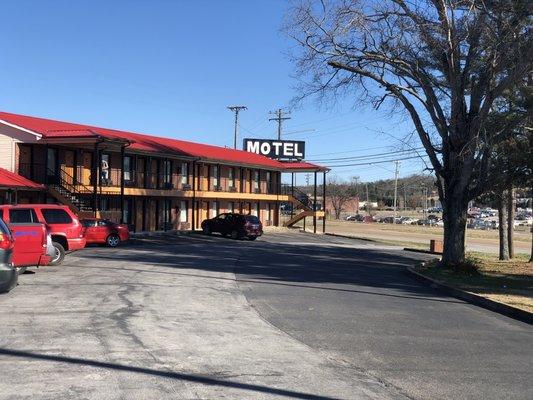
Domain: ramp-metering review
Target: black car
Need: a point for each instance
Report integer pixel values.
(8, 274)
(238, 226)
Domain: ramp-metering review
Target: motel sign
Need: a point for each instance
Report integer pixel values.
(277, 149)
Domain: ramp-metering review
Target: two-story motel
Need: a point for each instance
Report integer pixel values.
(152, 183)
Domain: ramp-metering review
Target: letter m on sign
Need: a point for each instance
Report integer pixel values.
(252, 147)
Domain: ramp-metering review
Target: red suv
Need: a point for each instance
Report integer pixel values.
(63, 225)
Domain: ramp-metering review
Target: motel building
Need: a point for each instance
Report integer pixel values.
(151, 183)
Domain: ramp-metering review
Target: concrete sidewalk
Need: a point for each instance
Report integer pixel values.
(158, 321)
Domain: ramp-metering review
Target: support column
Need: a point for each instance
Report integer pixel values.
(122, 154)
(95, 174)
(314, 204)
(324, 203)
(193, 218)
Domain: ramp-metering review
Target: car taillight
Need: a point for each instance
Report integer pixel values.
(6, 243)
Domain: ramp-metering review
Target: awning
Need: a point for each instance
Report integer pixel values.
(10, 180)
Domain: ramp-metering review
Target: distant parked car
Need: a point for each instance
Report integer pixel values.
(479, 224)
(104, 231)
(387, 220)
(356, 217)
(237, 226)
(8, 275)
(63, 225)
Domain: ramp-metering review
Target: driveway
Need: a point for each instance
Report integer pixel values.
(157, 320)
(353, 302)
(288, 316)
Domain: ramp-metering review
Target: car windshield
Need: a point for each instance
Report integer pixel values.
(252, 218)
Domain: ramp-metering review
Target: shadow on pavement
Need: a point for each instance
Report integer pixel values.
(205, 380)
(300, 265)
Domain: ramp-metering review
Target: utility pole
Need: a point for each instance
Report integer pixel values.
(367, 206)
(425, 202)
(236, 110)
(396, 185)
(280, 117)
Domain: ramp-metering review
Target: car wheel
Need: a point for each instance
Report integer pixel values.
(252, 237)
(112, 240)
(234, 234)
(207, 230)
(59, 254)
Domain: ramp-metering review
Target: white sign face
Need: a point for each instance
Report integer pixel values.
(278, 149)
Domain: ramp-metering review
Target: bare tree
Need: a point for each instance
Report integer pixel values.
(339, 193)
(444, 62)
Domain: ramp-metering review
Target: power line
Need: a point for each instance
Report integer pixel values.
(347, 151)
(375, 162)
(280, 117)
(400, 152)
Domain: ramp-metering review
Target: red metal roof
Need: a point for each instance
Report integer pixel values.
(57, 129)
(11, 180)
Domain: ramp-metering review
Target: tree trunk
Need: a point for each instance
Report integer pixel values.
(455, 215)
(531, 256)
(502, 228)
(510, 221)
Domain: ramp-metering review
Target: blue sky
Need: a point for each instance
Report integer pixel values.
(170, 68)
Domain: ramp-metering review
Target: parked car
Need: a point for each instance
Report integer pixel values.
(8, 275)
(33, 245)
(387, 220)
(356, 217)
(237, 226)
(480, 224)
(104, 231)
(368, 219)
(63, 225)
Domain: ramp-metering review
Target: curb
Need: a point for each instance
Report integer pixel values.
(421, 251)
(475, 299)
(352, 237)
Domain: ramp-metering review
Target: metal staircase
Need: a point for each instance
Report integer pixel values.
(302, 204)
(70, 194)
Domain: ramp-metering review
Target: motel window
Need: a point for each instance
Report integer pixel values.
(231, 177)
(127, 168)
(214, 209)
(126, 215)
(269, 211)
(255, 209)
(269, 181)
(184, 172)
(231, 206)
(166, 213)
(167, 171)
(256, 179)
(215, 176)
(51, 162)
(183, 211)
(104, 204)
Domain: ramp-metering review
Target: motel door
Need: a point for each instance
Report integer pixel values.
(202, 212)
(25, 161)
(69, 166)
(87, 166)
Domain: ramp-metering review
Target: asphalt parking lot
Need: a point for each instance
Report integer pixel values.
(288, 316)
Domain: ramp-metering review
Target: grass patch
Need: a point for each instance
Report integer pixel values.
(509, 282)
